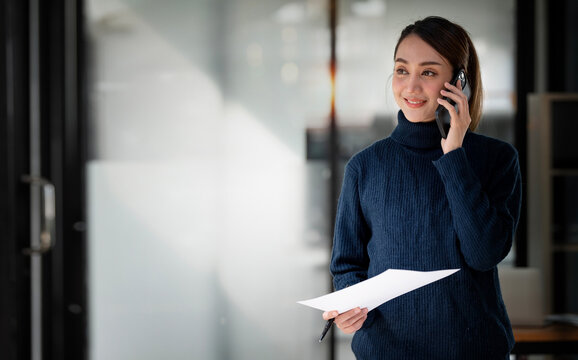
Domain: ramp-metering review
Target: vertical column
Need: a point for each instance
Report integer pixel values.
(333, 153)
(35, 171)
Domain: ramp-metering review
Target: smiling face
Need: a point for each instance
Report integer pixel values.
(419, 75)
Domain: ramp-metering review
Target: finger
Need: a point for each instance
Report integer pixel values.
(455, 96)
(330, 315)
(343, 319)
(461, 114)
(454, 89)
(450, 108)
(457, 88)
(358, 324)
(353, 327)
(349, 318)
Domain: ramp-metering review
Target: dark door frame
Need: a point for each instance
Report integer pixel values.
(14, 203)
(61, 108)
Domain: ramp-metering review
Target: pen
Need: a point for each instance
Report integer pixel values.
(326, 328)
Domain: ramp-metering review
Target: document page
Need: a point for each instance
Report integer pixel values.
(377, 290)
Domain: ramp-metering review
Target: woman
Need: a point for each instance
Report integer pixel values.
(417, 201)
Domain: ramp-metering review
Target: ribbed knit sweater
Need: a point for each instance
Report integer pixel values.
(406, 205)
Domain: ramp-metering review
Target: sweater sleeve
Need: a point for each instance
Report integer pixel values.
(349, 259)
(484, 219)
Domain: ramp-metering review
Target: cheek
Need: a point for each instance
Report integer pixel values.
(434, 90)
(438, 86)
(396, 90)
(396, 86)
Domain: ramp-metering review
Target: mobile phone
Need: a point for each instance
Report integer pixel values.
(443, 118)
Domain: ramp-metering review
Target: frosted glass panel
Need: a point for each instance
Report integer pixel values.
(207, 223)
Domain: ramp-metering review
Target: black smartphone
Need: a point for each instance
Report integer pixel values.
(442, 115)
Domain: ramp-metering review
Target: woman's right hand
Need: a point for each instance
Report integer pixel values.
(350, 321)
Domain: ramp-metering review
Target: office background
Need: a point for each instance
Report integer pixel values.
(189, 144)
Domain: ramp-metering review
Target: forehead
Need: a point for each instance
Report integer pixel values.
(413, 49)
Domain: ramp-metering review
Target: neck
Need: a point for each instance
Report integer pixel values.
(420, 135)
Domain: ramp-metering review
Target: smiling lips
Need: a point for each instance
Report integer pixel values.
(414, 103)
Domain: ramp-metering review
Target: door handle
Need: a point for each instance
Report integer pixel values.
(48, 214)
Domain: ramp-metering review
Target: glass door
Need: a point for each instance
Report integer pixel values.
(207, 220)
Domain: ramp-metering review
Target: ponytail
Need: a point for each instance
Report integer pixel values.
(474, 77)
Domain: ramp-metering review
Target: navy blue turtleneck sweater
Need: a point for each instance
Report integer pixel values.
(406, 205)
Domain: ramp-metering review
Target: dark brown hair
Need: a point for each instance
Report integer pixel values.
(452, 42)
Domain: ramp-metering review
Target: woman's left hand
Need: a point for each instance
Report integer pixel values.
(460, 120)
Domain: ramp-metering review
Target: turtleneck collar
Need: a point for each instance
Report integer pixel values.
(421, 135)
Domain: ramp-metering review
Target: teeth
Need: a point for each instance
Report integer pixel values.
(415, 102)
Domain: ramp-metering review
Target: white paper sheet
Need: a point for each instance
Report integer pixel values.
(377, 290)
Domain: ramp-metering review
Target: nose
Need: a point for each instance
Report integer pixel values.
(413, 84)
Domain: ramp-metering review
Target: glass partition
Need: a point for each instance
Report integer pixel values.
(208, 199)
(206, 221)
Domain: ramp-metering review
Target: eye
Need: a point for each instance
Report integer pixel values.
(401, 71)
(428, 73)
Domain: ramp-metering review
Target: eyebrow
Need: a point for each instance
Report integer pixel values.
(425, 63)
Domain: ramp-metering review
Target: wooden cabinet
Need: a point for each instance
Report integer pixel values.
(552, 185)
